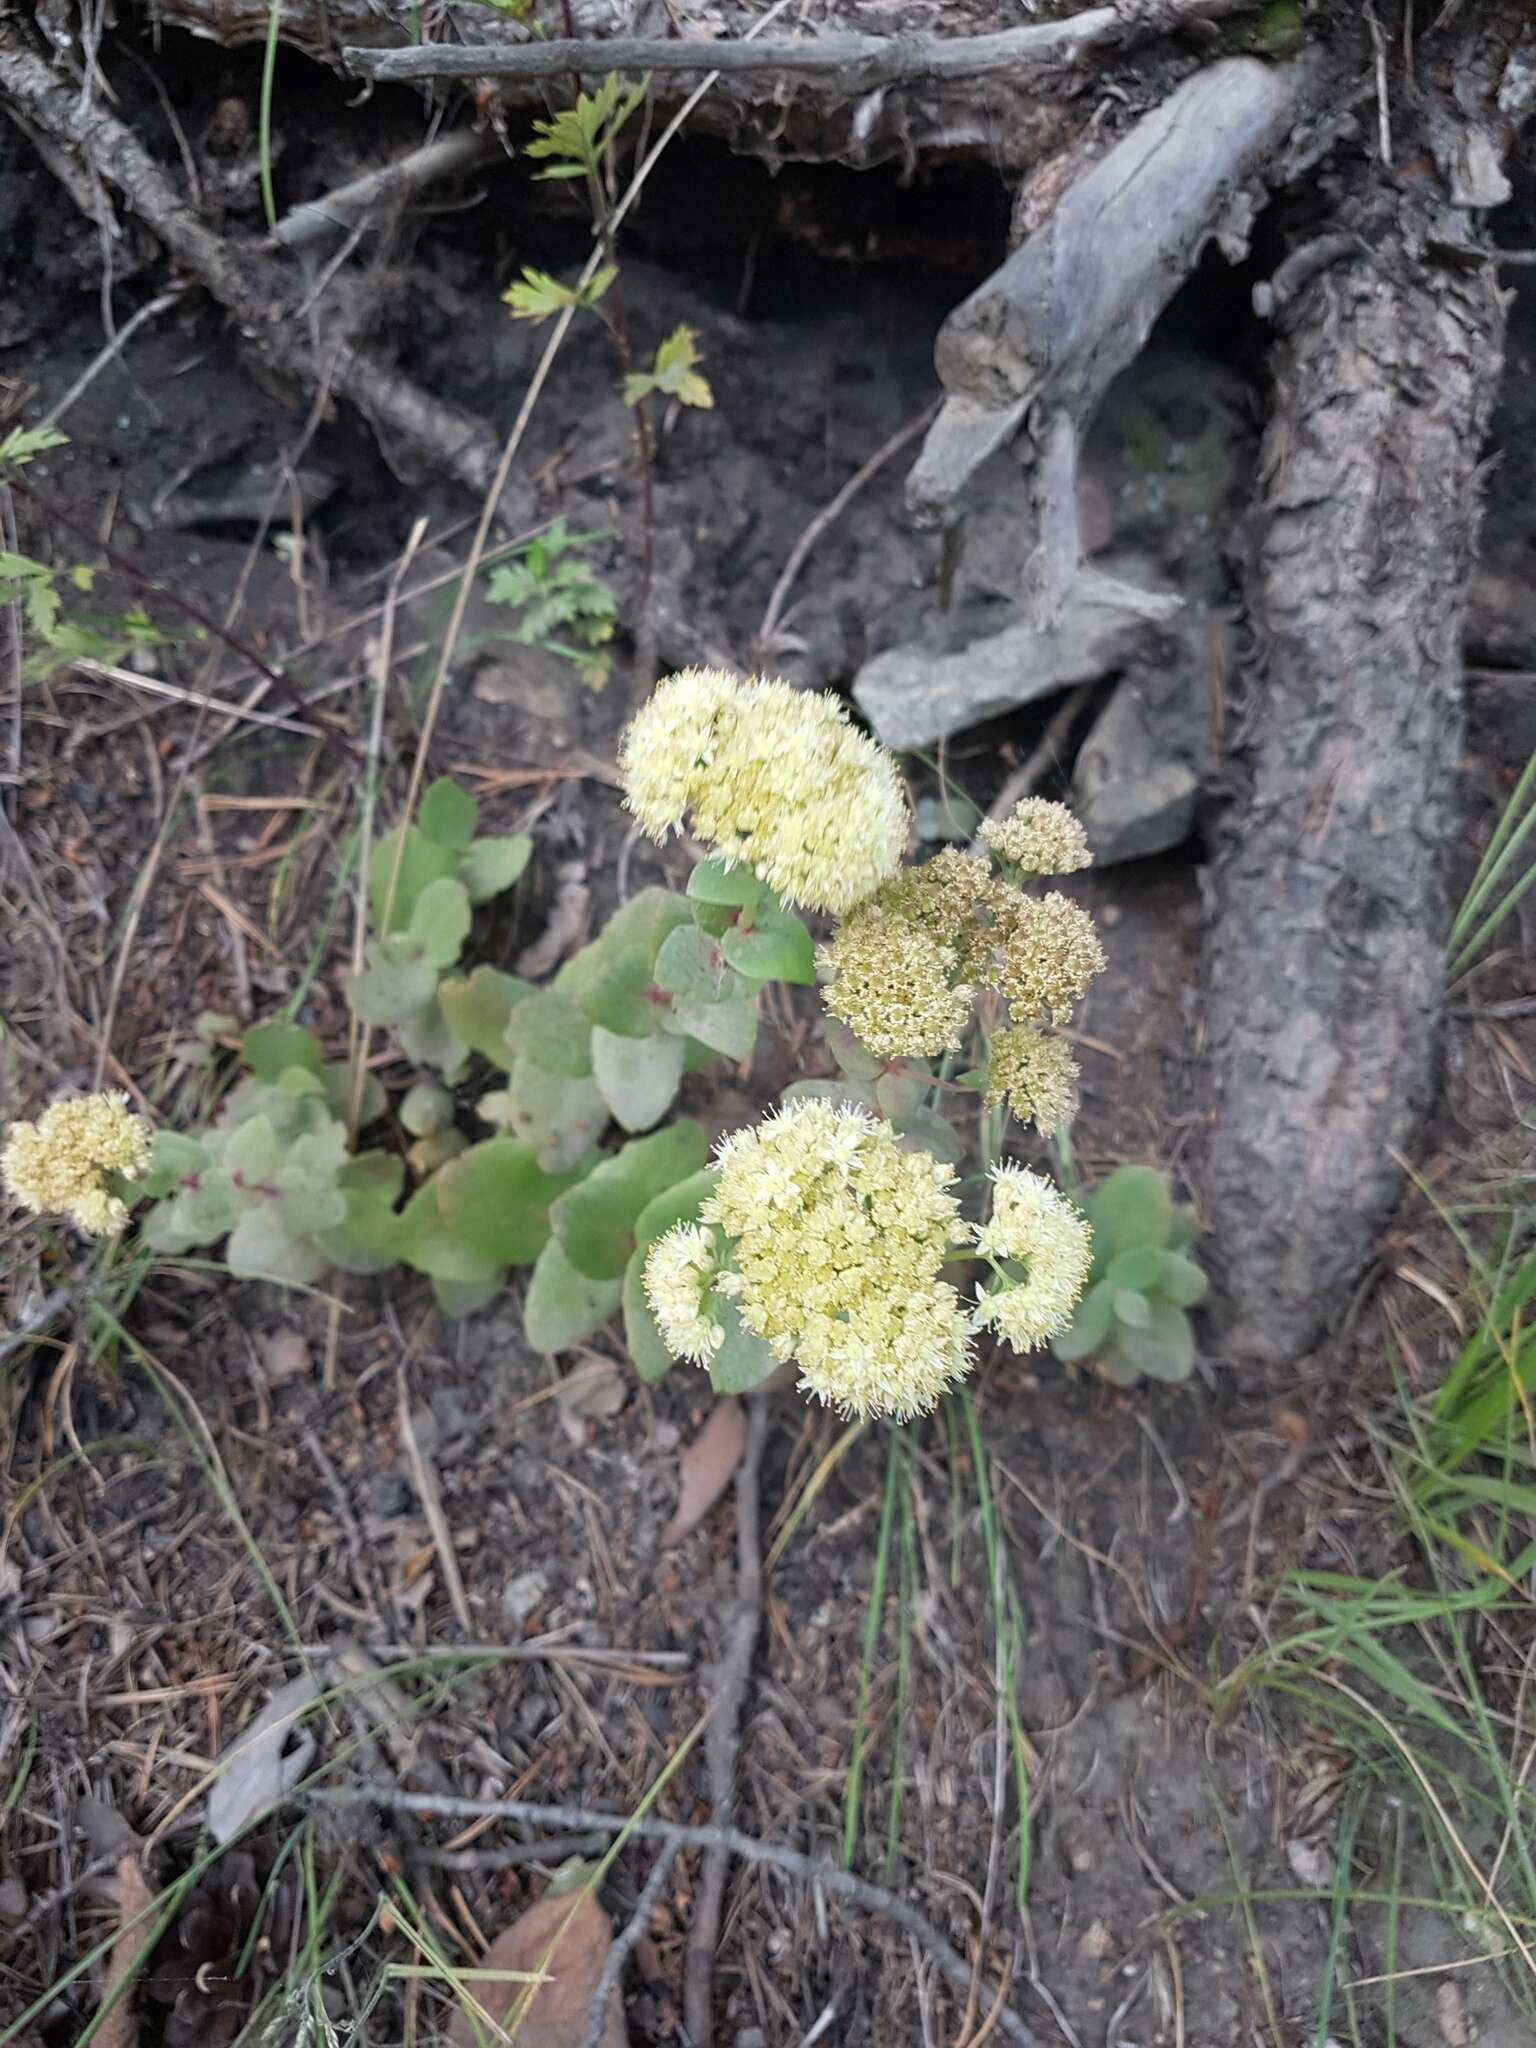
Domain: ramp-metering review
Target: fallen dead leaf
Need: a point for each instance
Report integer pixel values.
(566, 1937)
(705, 1468)
(1311, 1864)
(257, 1769)
(1452, 2019)
(118, 2025)
(591, 1393)
(285, 1355)
(566, 927)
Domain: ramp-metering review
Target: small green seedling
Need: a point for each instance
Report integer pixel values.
(1133, 1318)
(562, 605)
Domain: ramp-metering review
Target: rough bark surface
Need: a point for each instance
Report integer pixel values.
(1325, 959)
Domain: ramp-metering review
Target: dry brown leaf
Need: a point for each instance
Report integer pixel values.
(591, 1393)
(119, 2027)
(705, 1468)
(285, 1355)
(566, 1938)
(566, 926)
(1451, 2016)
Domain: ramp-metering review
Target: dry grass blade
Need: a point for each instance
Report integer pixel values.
(425, 1481)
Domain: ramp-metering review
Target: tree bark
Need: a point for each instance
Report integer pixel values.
(1325, 958)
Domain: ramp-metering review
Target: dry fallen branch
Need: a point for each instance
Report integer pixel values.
(854, 63)
(1047, 333)
(251, 286)
(873, 1898)
(340, 211)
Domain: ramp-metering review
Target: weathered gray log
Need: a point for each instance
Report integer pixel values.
(1324, 962)
(1075, 302)
(854, 63)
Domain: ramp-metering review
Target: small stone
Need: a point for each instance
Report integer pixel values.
(522, 1595)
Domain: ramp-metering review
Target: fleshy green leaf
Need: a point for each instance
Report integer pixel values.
(262, 1247)
(561, 1116)
(441, 920)
(563, 1305)
(1180, 1281)
(490, 866)
(422, 863)
(367, 1238)
(398, 980)
(625, 1000)
(900, 1096)
(1165, 1349)
(427, 1039)
(1132, 1309)
(496, 1200)
(855, 1059)
(690, 963)
(173, 1159)
(678, 1204)
(270, 1049)
(727, 1028)
(743, 1361)
(929, 1131)
(596, 1220)
(1139, 1269)
(1090, 1327)
(638, 1077)
(1132, 1208)
(479, 1009)
(462, 1297)
(425, 1109)
(552, 1030)
(447, 814)
(717, 881)
(336, 1080)
(774, 946)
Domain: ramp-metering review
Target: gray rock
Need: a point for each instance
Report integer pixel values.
(1138, 775)
(919, 693)
(520, 1596)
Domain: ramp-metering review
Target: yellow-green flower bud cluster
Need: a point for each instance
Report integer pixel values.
(1035, 1227)
(59, 1165)
(1038, 838)
(904, 967)
(774, 778)
(1037, 1076)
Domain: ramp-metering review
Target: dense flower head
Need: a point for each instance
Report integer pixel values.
(680, 1271)
(838, 1240)
(955, 898)
(1034, 1227)
(1049, 956)
(894, 985)
(1038, 838)
(58, 1165)
(1037, 1076)
(775, 778)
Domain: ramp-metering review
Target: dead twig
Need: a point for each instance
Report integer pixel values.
(624, 1943)
(873, 1898)
(150, 310)
(722, 1741)
(339, 212)
(858, 63)
(117, 2023)
(250, 284)
(1041, 758)
(832, 511)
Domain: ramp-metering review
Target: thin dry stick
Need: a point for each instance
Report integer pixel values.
(151, 310)
(177, 693)
(345, 208)
(856, 63)
(358, 1038)
(624, 1943)
(873, 1898)
(424, 1479)
(722, 1742)
(1043, 757)
(12, 615)
(514, 441)
(832, 511)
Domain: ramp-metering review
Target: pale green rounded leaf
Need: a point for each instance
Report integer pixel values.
(1132, 1208)
(563, 1305)
(478, 1011)
(690, 963)
(743, 1361)
(595, 1220)
(728, 1029)
(441, 920)
(447, 814)
(638, 1077)
(490, 866)
(1181, 1281)
(270, 1049)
